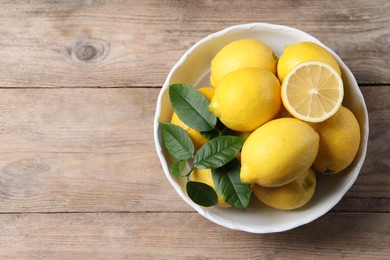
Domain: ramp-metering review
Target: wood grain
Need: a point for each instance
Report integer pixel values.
(376, 167)
(92, 150)
(80, 150)
(135, 43)
(79, 175)
(187, 236)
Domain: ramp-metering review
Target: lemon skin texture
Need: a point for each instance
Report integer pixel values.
(277, 152)
(339, 141)
(240, 54)
(290, 196)
(246, 98)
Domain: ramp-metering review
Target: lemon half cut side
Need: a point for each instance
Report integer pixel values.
(313, 91)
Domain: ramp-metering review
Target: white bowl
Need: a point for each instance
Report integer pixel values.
(194, 68)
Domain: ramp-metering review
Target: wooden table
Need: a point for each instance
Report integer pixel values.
(80, 178)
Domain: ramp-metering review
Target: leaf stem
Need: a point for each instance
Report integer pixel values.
(189, 173)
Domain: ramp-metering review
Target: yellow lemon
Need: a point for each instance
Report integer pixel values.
(205, 176)
(246, 98)
(278, 151)
(339, 141)
(290, 196)
(312, 91)
(297, 53)
(195, 135)
(239, 54)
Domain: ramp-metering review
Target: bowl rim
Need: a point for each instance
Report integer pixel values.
(203, 211)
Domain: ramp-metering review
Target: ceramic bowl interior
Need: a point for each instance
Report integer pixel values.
(194, 68)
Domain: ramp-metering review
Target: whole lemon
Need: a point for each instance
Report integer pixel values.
(339, 141)
(246, 98)
(239, 54)
(204, 176)
(297, 53)
(278, 151)
(197, 139)
(290, 196)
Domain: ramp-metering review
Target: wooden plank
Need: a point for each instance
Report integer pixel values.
(85, 182)
(187, 236)
(91, 150)
(80, 150)
(375, 174)
(362, 204)
(135, 43)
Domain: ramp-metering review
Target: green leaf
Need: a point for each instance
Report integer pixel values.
(177, 141)
(218, 152)
(177, 168)
(201, 193)
(192, 107)
(228, 184)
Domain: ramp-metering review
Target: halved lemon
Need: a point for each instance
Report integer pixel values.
(312, 91)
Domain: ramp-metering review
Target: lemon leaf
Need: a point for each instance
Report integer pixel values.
(228, 184)
(177, 141)
(177, 168)
(217, 152)
(201, 193)
(192, 107)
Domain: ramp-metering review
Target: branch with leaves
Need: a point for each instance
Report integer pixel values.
(218, 154)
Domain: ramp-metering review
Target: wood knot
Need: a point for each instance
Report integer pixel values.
(87, 51)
